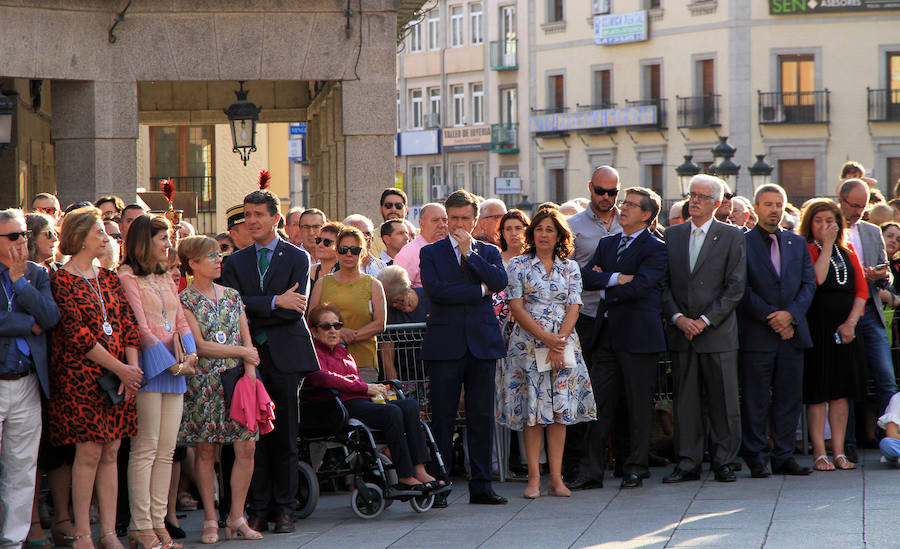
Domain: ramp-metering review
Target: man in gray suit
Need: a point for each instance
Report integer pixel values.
(27, 311)
(706, 280)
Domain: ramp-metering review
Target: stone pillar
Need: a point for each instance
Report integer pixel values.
(95, 131)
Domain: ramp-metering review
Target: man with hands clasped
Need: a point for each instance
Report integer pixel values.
(706, 278)
(773, 334)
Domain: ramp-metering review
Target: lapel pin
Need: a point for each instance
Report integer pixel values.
(279, 253)
(715, 238)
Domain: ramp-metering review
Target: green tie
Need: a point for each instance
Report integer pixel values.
(263, 266)
(695, 247)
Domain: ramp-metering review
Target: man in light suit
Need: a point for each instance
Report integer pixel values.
(773, 334)
(705, 283)
(628, 270)
(27, 311)
(272, 277)
(869, 245)
(462, 339)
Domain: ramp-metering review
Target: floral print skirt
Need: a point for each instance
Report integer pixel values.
(205, 418)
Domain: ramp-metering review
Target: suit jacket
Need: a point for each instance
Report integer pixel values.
(873, 253)
(288, 336)
(768, 292)
(634, 310)
(461, 318)
(33, 304)
(713, 289)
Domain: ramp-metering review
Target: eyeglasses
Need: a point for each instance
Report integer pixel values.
(327, 242)
(630, 204)
(608, 192)
(699, 196)
(214, 256)
(852, 205)
(49, 233)
(498, 216)
(330, 325)
(15, 236)
(310, 227)
(395, 205)
(117, 236)
(355, 250)
(48, 211)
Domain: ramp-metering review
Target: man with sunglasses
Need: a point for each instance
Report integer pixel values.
(28, 311)
(393, 206)
(598, 220)
(46, 203)
(724, 210)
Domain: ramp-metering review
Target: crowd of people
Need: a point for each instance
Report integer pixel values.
(124, 333)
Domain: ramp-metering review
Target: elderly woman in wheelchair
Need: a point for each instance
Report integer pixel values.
(370, 403)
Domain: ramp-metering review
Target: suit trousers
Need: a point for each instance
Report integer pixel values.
(577, 432)
(20, 436)
(771, 387)
(273, 487)
(623, 389)
(446, 379)
(150, 461)
(715, 377)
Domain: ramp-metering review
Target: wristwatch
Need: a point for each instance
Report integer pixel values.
(470, 253)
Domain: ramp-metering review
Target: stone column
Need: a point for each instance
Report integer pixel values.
(95, 131)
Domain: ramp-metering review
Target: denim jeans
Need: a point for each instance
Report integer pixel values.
(890, 448)
(873, 338)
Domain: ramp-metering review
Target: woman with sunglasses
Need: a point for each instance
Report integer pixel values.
(325, 253)
(217, 320)
(44, 242)
(360, 299)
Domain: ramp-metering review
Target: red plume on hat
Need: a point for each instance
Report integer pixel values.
(264, 178)
(168, 190)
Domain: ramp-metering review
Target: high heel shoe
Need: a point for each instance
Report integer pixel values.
(240, 529)
(532, 494)
(109, 540)
(43, 543)
(82, 541)
(165, 540)
(210, 532)
(60, 538)
(557, 492)
(143, 539)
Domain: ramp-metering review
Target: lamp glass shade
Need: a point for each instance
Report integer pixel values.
(5, 128)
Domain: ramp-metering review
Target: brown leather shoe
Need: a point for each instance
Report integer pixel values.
(284, 525)
(258, 523)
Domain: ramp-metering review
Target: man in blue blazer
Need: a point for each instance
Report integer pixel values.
(27, 311)
(272, 277)
(627, 269)
(462, 339)
(773, 334)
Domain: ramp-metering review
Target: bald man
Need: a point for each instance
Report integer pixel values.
(432, 227)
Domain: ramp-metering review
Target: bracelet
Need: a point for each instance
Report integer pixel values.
(180, 367)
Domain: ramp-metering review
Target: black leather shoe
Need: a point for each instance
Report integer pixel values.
(760, 471)
(736, 466)
(487, 498)
(440, 501)
(644, 474)
(175, 531)
(258, 523)
(631, 480)
(284, 525)
(791, 467)
(581, 482)
(724, 473)
(680, 475)
(851, 453)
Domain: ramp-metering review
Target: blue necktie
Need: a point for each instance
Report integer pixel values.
(21, 344)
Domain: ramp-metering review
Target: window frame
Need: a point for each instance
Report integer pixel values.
(457, 27)
(477, 104)
(433, 22)
(476, 23)
(416, 123)
(458, 95)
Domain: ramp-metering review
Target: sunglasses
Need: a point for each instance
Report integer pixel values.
(224, 247)
(395, 205)
(48, 211)
(327, 242)
(729, 196)
(15, 236)
(117, 236)
(608, 192)
(330, 326)
(355, 250)
(49, 233)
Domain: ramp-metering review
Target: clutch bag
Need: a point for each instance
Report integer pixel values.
(541, 353)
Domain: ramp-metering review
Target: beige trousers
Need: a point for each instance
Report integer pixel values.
(150, 461)
(20, 434)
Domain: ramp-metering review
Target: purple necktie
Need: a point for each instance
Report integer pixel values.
(773, 253)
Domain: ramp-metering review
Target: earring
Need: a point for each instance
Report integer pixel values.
(82, 246)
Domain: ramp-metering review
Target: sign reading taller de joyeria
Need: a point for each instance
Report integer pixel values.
(466, 138)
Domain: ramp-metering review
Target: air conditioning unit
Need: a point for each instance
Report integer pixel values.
(438, 192)
(433, 120)
(774, 114)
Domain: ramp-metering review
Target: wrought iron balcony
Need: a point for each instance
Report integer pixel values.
(660, 104)
(884, 105)
(503, 55)
(505, 138)
(810, 107)
(597, 107)
(698, 111)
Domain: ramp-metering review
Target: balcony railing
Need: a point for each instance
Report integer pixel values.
(811, 107)
(884, 105)
(205, 188)
(660, 104)
(550, 110)
(505, 138)
(597, 107)
(503, 55)
(699, 111)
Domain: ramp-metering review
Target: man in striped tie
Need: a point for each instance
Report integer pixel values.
(627, 271)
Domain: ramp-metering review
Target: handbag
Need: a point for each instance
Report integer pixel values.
(540, 355)
(109, 388)
(178, 347)
(229, 380)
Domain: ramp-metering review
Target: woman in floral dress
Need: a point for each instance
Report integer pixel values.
(216, 317)
(544, 296)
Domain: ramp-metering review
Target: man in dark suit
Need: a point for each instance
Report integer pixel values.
(272, 277)
(27, 311)
(705, 283)
(628, 270)
(462, 339)
(773, 333)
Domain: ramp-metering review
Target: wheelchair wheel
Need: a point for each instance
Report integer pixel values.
(391, 475)
(422, 503)
(307, 490)
(367, 507)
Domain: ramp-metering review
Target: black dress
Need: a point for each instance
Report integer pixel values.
(832, 371)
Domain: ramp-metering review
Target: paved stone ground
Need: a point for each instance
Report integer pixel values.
(846, 509)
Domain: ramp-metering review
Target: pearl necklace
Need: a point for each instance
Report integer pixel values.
(840, 267)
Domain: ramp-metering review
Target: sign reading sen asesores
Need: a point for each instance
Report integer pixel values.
(824, 7)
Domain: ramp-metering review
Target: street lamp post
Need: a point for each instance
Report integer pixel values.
(7, 108)
(243, 116)
(760, 172)
(724, 166)
(685, 172)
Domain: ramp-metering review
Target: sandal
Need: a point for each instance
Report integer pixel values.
(437, 486)
(77, 542)
(143, 539)
(60, 538)
(114, 544)
(210, 532)
(842, 462)
(44, 543)
(402, 486)
(186, 502)
(165, 540)
(826, 464)
(240, 529)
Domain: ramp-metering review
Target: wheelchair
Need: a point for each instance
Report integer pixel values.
(325, 424)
